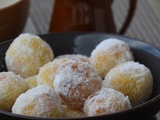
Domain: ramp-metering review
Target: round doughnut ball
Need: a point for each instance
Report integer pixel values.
(40, 101)
(11, 86)
(75, 81)
(26, 54)
(108, 54)
(31, 81)
(106, 101)
(69, 113)
(75, 56)
(132, 79)
(47, 72)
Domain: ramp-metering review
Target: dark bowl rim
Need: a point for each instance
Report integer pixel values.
(146, 103)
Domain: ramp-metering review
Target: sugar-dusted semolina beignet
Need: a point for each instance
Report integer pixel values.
(40, 101)
(108, 54)
(26, 54)
(31, 81)
(75, 56)
(70, 113)
(132, 79)
(106, 101)
(75, 81)
(47, 72)
(11, 86)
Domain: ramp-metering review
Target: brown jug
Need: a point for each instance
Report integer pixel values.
(82, 15)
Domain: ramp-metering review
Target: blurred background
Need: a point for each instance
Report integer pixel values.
(145, 24)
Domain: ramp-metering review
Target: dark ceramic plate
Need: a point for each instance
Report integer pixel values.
(84, 43)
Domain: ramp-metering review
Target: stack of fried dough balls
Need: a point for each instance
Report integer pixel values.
(47, 72)
(75, 81)
(26, 54)
(108, 54)
(71, 85)
(11, 86)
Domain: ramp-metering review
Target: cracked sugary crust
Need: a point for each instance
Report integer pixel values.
(108, 54)
(40, 101)
(11, 86)
(132, 79)
(26, 54)
(75, 81)
(106, 101)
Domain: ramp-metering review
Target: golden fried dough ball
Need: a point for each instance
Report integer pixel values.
(108, 54)
(106, 101)
(40, 101)
(69, 113)
(75, 81)
(47, 72)
(75, 56)
(132, 79)
(26, 54)
(11, 86)
(31, 81)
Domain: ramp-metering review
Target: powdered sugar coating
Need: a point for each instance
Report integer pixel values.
(132, 79)
(108, 54)
(70, 113)
(41, 101)
(11, 86)
(75, 81)
(26, 54)
(75, 56)
(106, 101)
(47, 72)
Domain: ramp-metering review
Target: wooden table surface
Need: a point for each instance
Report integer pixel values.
(144, 26)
